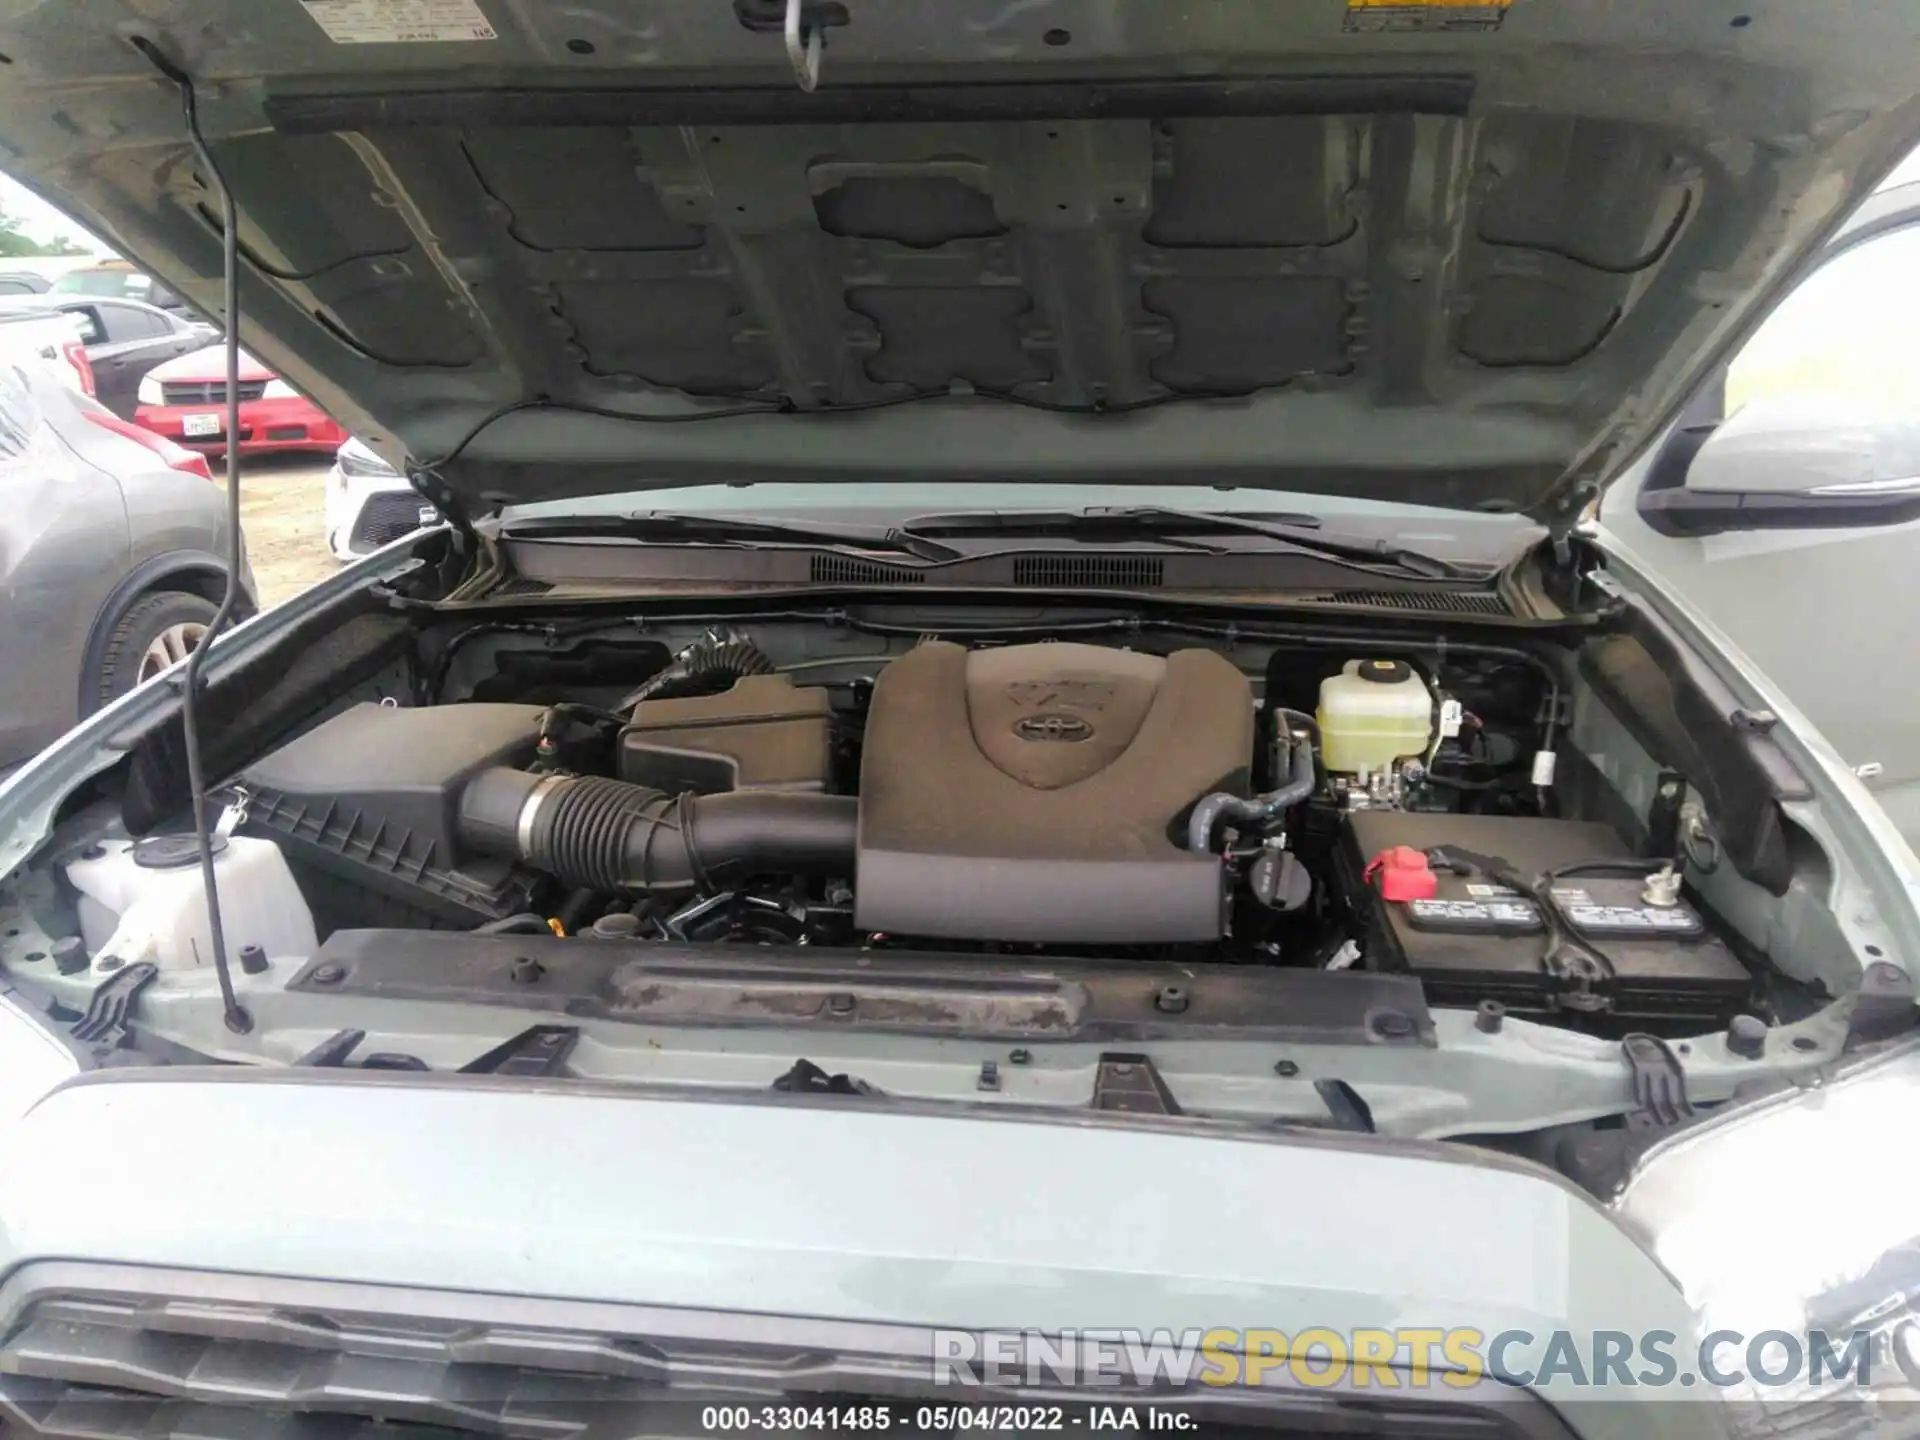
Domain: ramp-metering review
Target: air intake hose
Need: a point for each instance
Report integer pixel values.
(708, 666)
(609, 835)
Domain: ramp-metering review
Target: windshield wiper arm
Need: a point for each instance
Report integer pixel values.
(1296, 532)
(668, 527)
(1288, 527)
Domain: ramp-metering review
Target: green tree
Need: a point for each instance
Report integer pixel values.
(14, 243)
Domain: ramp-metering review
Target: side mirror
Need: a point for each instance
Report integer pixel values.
(1785, 465)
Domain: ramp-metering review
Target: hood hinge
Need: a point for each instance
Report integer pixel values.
(1568, 514)
(431, 488)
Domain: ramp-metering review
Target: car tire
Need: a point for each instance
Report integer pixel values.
(155, 630)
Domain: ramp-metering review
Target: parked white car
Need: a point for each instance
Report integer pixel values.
(369, 503)
(36, 332)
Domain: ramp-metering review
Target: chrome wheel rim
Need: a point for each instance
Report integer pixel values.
(170, 647)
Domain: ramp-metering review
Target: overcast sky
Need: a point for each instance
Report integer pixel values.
(39, 219)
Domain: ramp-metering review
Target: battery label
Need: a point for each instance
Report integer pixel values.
(1481, 891)
(1474, 914)
(1613, 907)
(1619, 918)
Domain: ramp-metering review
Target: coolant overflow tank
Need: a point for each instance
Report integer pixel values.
(1373, 713)
(147, 901)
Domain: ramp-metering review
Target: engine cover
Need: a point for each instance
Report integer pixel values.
(1038, 793)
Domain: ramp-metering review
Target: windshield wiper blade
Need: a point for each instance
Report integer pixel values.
(669, 527)
(1296, 532)
(1074, 525)
(1288, 527)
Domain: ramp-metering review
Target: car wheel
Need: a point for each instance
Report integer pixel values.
(156, 632)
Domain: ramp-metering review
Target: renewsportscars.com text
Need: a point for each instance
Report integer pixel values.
(1405, 1358)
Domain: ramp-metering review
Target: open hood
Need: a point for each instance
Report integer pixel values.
(1469, 255)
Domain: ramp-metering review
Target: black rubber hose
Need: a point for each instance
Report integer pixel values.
(603, 834)
(1258, 809)
(708, 666)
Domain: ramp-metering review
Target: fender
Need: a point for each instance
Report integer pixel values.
(156, 572)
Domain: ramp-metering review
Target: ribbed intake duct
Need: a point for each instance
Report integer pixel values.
(610, 835)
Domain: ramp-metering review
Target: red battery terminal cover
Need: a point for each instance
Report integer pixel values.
(1404, 874)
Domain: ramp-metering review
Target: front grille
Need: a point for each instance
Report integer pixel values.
(105, 1364)
(1439, 602)
(1127, 571)
(384, 519)
(212, 1360)
(851, 570)
(207, 392)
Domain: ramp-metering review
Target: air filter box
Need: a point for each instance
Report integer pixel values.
(370, 796)
(764, 733)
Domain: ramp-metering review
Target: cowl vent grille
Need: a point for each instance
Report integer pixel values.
(1129, 571)
(519, 585)
(848, 570)
(1443, 602)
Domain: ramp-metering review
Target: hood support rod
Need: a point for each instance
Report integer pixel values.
(804, 46)
(237, 1018)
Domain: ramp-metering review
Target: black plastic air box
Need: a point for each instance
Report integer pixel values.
(764, 733)
(370, 797)
(1478, 940)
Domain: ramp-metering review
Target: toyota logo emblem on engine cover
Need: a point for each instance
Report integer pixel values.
(1052, 727)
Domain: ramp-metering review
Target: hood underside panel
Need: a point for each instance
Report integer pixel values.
(1461, 267)
(1063, 262)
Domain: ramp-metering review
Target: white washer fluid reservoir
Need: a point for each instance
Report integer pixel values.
(145, 900)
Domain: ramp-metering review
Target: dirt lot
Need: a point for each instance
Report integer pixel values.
(280, 505)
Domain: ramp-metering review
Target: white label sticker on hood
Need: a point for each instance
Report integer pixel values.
(394, 22)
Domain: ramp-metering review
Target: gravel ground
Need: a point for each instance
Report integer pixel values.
(280, 500)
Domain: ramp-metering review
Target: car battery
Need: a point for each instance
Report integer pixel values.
(1470, 937)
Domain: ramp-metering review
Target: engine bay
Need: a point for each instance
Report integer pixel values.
(1340, 875)
(1020, 798)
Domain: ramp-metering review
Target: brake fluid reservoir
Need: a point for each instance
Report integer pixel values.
(1373, 713)
(146, 901)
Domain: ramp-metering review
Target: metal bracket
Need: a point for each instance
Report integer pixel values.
(1883, 1006)
(1131, 1083)
(675, 925)
(104, 1025)
(804, 45)
(1663, 815)
(537, 1050)
(1659, 1084)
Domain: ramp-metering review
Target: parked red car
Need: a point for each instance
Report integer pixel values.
(185, 400)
